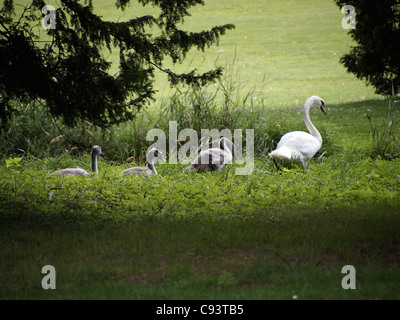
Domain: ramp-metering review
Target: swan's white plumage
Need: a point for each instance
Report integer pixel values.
(213, 159)
(150, 168)
(299, 145)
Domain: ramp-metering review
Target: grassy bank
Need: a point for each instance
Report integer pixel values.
(187, 236)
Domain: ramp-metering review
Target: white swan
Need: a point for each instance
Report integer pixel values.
(96, 152)
(298, 145)
(149, 169)
(213, 159)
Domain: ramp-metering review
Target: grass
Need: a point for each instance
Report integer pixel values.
(267, 235)
(177, 235)
(229, 260)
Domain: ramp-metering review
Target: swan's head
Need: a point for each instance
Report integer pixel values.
(315, 100)
(225, 143)
(96, 151)
(154, 154)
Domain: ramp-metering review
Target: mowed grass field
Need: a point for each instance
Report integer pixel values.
(288, 50)
(266, 235)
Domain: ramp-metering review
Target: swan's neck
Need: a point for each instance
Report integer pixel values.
(225, 147)
(151, 166)
(93, 163)
(310, 126)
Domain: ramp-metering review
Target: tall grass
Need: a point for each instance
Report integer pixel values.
(385, 143)
(228, 104)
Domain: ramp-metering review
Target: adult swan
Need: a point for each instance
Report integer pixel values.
(298, 145)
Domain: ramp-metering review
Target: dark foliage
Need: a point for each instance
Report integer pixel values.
(376, 58)
(67, 71)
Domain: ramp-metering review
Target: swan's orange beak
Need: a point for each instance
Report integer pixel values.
(323, 108)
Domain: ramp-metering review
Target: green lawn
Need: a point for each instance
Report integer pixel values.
(289, 50)
(267, 235)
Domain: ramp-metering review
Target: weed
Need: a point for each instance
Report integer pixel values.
(385, 143)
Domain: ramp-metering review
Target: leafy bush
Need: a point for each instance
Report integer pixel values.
(376, 57)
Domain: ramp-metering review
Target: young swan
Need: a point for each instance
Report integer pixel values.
(95, 154)
(298, 145)
(213, 159)
(150, 169)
